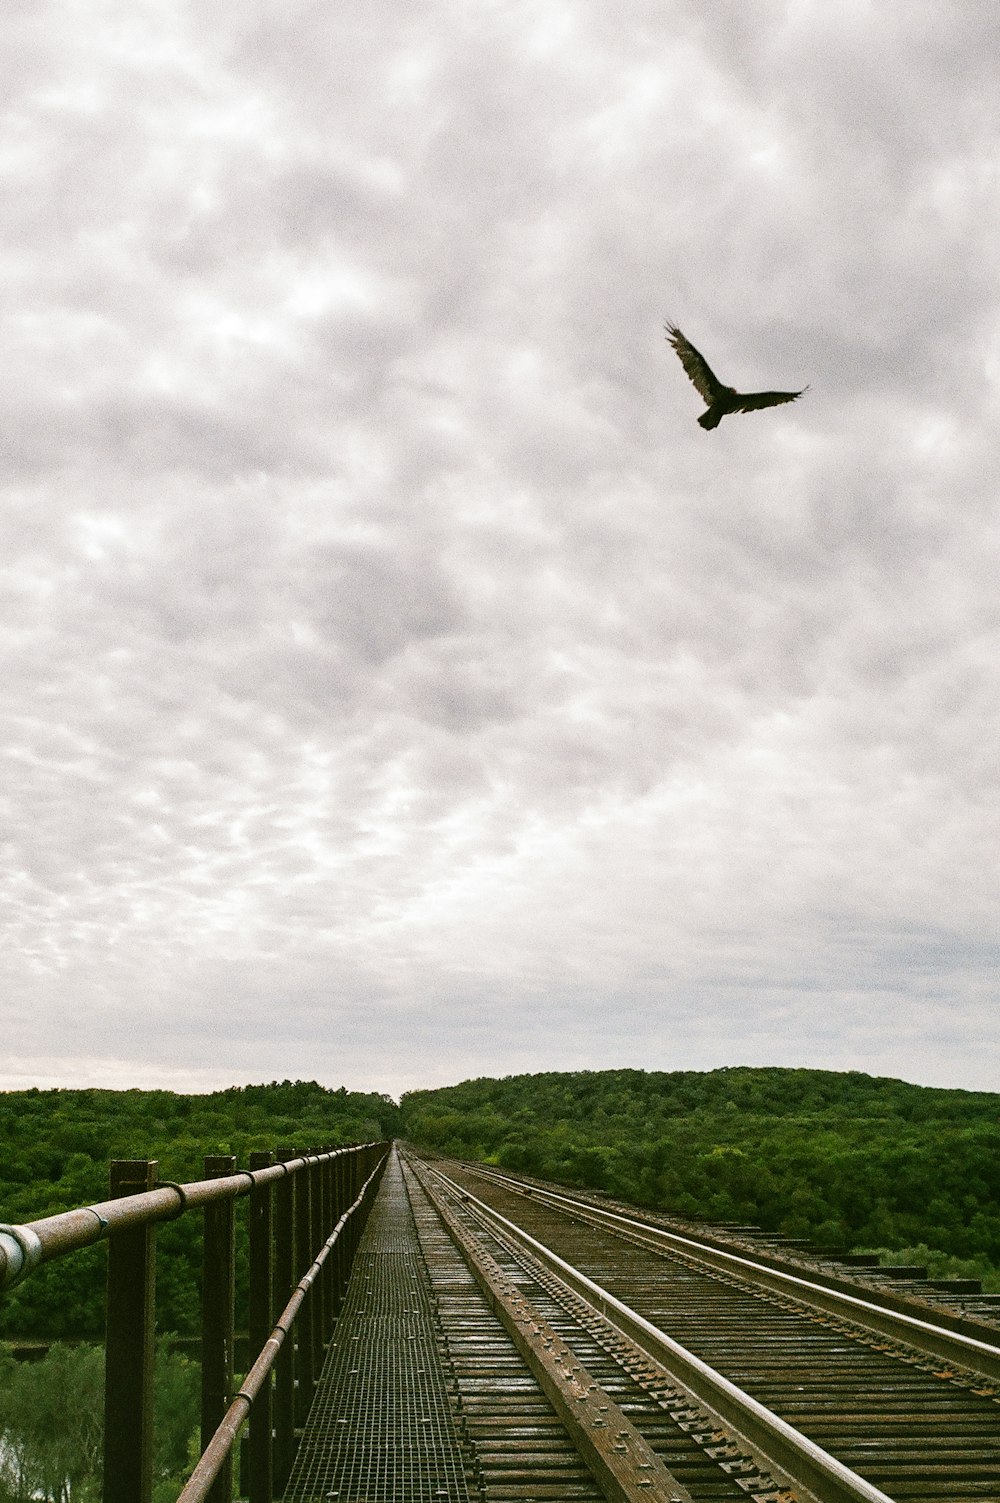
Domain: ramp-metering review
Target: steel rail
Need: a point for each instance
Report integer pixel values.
(938, 1341)
(222, 1442)
(618, 1456)
(24, 1247)
(785, 1448)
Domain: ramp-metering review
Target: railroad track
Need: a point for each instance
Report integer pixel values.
(593, 1354)
(957, 1303)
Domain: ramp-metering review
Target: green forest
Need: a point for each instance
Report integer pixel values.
(51, 1424)
(848, 1160)
(57, 1146)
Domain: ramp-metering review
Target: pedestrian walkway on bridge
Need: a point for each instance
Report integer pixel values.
(381, 1428)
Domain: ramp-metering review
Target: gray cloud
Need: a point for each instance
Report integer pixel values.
(398, 684)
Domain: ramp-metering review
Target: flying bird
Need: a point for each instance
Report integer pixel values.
(721, 399)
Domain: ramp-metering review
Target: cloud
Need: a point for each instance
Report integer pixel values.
(399, 685)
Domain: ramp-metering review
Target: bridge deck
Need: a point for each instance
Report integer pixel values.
(381, 1428)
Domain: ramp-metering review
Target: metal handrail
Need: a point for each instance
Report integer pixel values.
(199, 1484)
(315, 1189)
(24, 1247)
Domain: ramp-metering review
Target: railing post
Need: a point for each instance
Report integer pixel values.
(317, 1238)
(304, 1372)
(343, 1248)
(329, 1220)
(354, 1183)
(336, 1209)
(284, 1283)
(259, 1329)
(217, 1319)
(128, 1389)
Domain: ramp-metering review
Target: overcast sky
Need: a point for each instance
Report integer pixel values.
(398, 684)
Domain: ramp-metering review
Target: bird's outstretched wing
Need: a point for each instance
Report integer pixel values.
(749, 401)
(720, 398)
(707, 383)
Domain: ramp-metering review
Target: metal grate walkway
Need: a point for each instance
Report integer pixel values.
(381, 1428)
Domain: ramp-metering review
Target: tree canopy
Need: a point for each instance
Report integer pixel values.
(58, 1145)
(846, 1159)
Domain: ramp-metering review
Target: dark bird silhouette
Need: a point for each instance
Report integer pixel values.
(721, 399)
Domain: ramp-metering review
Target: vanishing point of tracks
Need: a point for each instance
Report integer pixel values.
(593, 1354)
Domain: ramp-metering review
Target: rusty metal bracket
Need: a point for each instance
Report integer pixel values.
(182, 1200)
(102, 1222)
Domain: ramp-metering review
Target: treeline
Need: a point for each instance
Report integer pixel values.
(849, 1160)
(51, 1425)
(56, 1147)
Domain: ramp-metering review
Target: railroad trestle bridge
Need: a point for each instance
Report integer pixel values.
(422, 1330)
